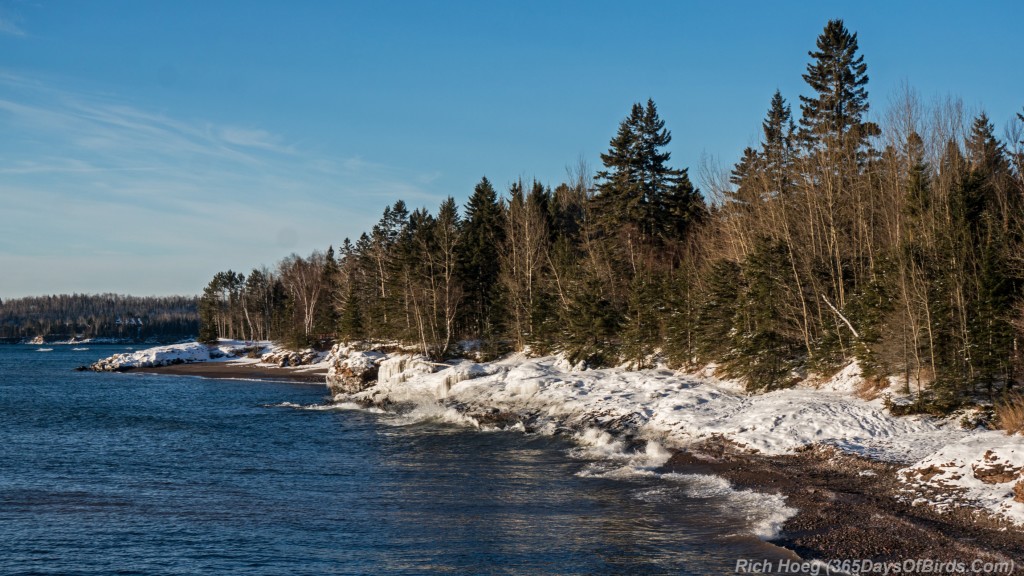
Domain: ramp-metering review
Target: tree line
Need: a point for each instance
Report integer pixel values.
(896, 243)
(66, 316)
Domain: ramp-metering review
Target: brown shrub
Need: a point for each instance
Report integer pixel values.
(1010, 414)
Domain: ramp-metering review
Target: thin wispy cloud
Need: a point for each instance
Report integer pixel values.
(254, 139)
(113, 180)
(9, 28)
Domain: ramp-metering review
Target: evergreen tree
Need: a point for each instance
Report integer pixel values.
(715, 331)
(838, 76)
(350, 323)
(326, 323)
(768, 337)
(638, 190)
(484, 234)
(590, 323)
(918, 179)
(744, 178)
(984, 151)
(642, 324)
(448, 293)
(777, 146)
(208, 308)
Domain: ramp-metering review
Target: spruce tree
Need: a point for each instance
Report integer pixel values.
(918, 178)
(638, 190)
(744, 178)
(590, 323)
(350, 323)
(208, 305)
(838, 76)
(483, 234)
(767, 342)
(642, 324)
(777, 146)
(326, 322)
(715, 330)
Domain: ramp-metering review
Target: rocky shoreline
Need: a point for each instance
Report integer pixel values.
(848, 507)
(852, 508)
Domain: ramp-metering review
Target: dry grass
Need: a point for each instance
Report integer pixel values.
(870, 388)
(1010, 414)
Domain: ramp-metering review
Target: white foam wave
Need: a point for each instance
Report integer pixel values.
(80, 349)
(596, 444)
(323, 407)
(656, 454)
(44, 349)
(430, 412)
(604, 470)
(765, 513)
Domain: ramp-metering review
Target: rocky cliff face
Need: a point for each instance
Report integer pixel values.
(352, 371)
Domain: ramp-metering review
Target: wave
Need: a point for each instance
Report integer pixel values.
(429, 412)
(325, 407)
(79, 349)
(765, 513)
(44, 349)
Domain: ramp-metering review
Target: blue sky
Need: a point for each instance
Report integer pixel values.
(148, 145)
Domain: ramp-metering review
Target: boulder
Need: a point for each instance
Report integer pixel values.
(288, 358)
(353, 372)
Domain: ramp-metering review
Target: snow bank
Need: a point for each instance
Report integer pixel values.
(173, 354)
(666, 406)
(612, 409)
(983, 470)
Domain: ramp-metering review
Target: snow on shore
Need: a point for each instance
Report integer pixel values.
(672, 408)
(262, 353)
(945, 465)
(172, 354)
(667, 408)
(982, 469)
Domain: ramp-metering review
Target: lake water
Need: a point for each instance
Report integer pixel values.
(150, 474)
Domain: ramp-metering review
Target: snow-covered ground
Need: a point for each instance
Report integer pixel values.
(945, 465)
(173, 354)
(981, 469)
(234, 351)
(673, 410)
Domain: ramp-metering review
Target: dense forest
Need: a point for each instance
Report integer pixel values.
(896, 242)
(63, 317)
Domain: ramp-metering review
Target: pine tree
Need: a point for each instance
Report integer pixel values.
(638, 190)
(777, 146)
(839, 78)
(744, 178)
(483, 233)
(715, 331)
(768, 340)
(326, 322)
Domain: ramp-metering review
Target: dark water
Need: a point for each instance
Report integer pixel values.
(148, 474)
